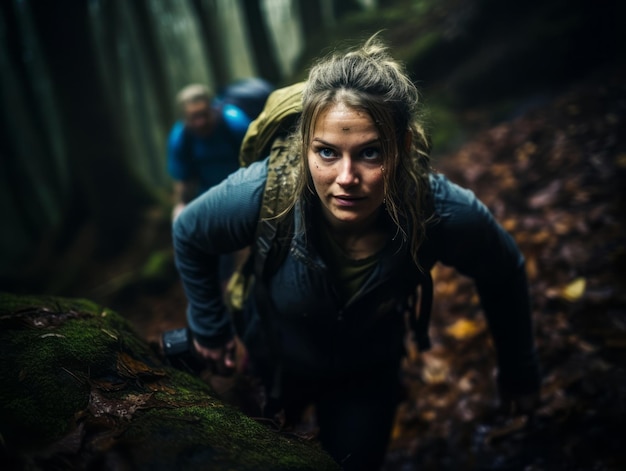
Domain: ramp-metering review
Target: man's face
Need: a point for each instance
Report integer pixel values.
(199, 117)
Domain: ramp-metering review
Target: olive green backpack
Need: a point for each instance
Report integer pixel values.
(267, 135)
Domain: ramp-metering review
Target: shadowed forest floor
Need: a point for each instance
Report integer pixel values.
(553, 178)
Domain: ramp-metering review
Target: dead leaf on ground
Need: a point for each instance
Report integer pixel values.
(132, 368)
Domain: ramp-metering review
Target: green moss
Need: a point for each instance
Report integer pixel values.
(159, 265)
(68, 362)
(10, 303)
(54, 348)
(195, 433)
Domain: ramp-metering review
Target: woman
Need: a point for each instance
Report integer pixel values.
(367, 216)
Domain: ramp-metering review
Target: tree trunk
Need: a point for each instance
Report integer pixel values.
(311, 17)
(95, 145)
(144, 22)
(79, 390)
(211, 30)
(343, 7)
(264, 56)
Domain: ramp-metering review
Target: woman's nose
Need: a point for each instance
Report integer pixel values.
(347, 172)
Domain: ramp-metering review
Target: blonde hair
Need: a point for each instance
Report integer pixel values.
(367, 78)
(191, 94)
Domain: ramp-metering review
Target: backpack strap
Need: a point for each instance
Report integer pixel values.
(266, 233)
(266, 135)
(273, 233)
(420, 324)
(273, 237)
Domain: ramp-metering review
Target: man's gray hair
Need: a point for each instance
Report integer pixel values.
(192, 93)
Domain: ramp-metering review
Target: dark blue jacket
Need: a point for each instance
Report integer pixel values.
(318, 335)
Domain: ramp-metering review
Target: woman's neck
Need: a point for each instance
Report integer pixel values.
(361, 241)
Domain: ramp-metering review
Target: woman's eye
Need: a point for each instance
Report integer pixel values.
(371, 153)
(325, 153)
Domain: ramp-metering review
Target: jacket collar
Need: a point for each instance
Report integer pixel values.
(395, 256)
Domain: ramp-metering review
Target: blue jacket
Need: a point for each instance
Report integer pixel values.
(320, 337)
(207, 159)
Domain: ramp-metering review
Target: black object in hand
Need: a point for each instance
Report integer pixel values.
(179, 352)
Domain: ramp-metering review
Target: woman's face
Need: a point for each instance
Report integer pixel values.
(345, 162)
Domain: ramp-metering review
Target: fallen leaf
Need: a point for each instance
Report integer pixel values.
(123, 408)
(511, 426)
(157, 386)
(435, 370)
(133, 368)
(109, 333)
(546, 196)
(531, 268)
(51, 335)
(510, 224)
(575, 290)
(105, 385)
(463, 329)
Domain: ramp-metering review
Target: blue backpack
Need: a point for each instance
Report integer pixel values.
(249, 95)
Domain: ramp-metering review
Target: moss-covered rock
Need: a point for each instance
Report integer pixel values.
(79, 388)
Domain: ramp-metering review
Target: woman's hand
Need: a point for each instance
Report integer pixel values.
(222, 359)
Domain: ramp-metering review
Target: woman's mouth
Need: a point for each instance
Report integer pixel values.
(347, 200)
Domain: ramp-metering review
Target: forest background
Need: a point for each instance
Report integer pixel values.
(525, 102)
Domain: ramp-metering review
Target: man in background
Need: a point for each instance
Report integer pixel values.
(203, 146)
